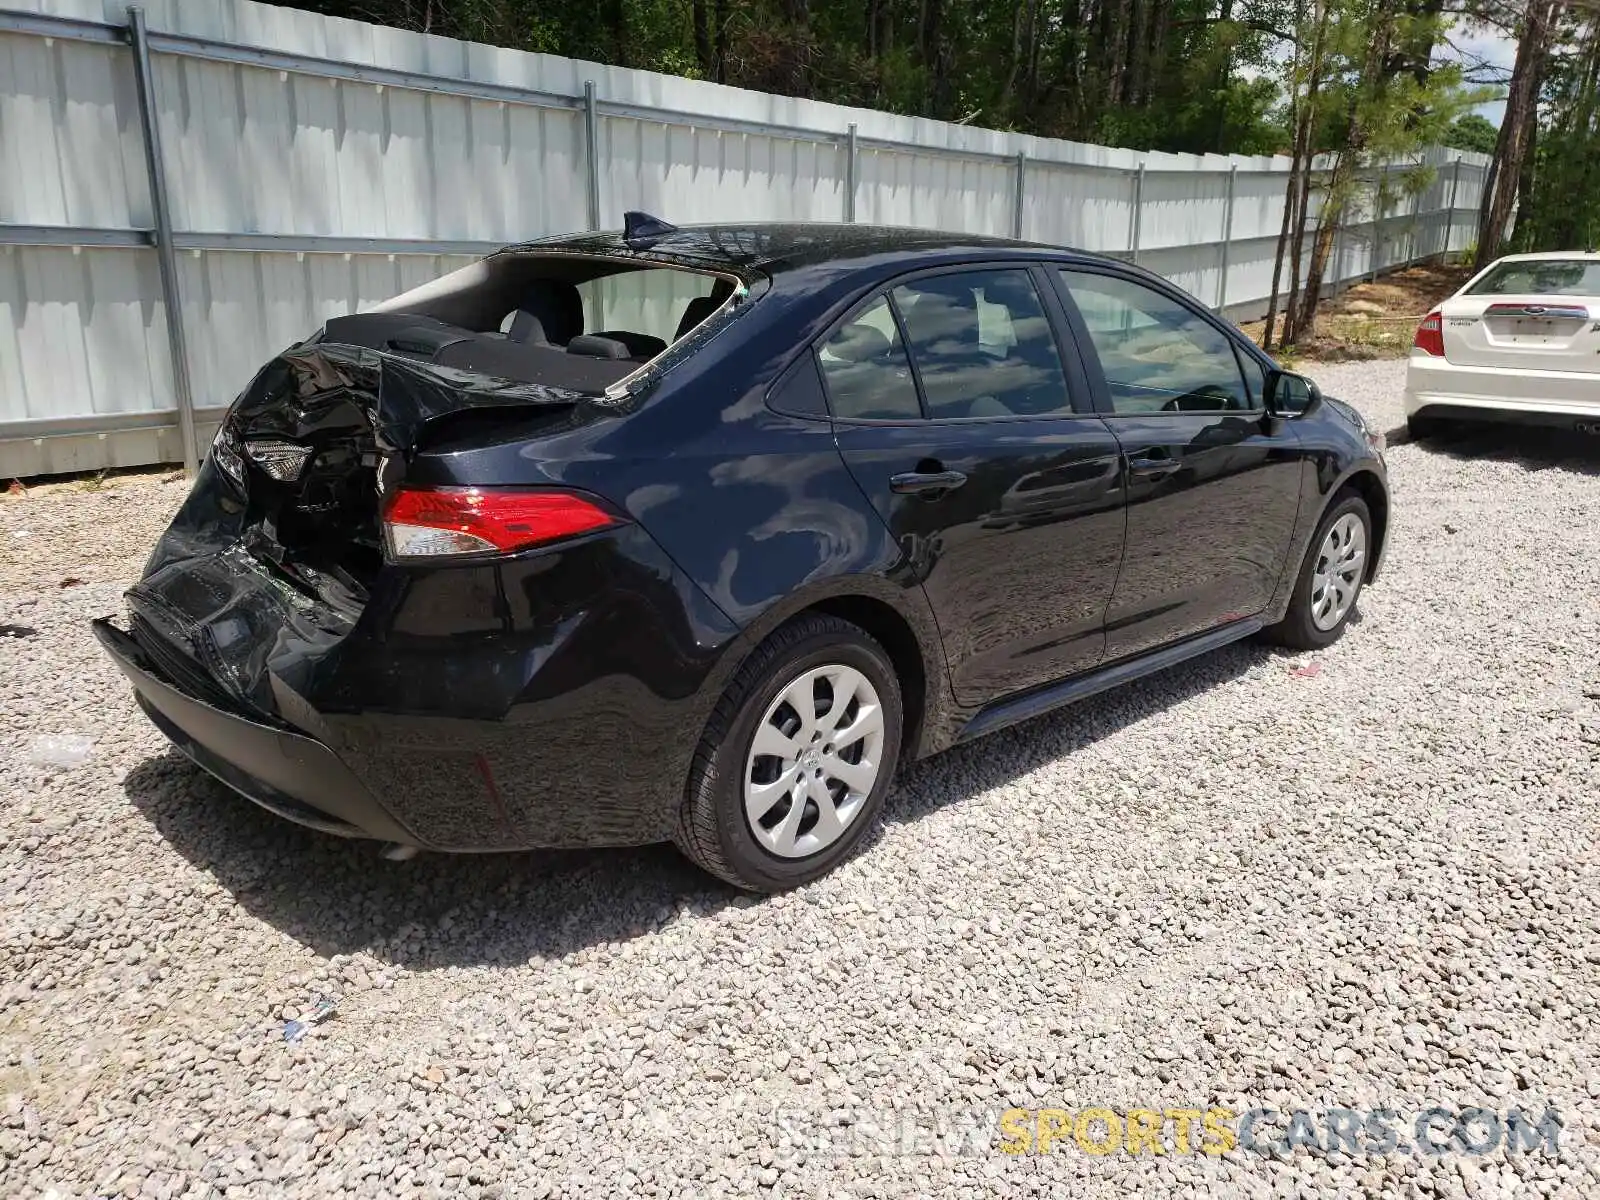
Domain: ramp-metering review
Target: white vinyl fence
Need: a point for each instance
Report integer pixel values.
(187, 189)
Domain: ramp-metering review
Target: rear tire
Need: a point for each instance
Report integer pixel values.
(771, 816)
(1327, 589)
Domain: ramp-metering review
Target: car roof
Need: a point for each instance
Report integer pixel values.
(778, 247)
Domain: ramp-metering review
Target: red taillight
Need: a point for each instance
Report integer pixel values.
(1430, 334)
(430, 522)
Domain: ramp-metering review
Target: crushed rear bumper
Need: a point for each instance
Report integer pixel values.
(547, 700)
(289, 774)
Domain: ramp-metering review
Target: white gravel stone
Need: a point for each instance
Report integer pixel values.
(1375, 389)
(1231, 884)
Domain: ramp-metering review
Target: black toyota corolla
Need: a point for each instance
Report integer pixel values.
(695, 534)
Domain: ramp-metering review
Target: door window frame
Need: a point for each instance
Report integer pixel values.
(1075, 374)
(1100, 389)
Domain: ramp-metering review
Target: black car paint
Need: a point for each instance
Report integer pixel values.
(1019, 561)
(555, 698)
(1207, 538)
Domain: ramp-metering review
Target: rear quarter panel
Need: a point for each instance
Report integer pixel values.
(763, 515)
(754, 506)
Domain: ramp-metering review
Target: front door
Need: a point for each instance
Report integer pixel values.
(1213, 485)
(954, 413)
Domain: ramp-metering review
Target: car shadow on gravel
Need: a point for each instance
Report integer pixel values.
(440, 910)
(1533, 448)
(436, 910)
(1005, 756)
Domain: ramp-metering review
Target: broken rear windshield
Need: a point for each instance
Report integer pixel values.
(585, 322)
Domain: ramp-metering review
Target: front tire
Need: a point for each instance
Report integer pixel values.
(796, 759)
(1330, 578)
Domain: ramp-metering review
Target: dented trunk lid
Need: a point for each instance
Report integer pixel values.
(276, 553)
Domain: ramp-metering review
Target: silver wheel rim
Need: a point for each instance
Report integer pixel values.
(1340, 563)
(814, 760)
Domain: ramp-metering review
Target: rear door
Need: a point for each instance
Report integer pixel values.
(1538, 314)
(1213, 486)
(976, 441)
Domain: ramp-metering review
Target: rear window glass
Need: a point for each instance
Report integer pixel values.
(1543, 277)
(982, 345)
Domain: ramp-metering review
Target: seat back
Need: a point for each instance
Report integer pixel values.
(551, 312)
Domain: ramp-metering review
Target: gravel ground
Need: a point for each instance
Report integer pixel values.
(1375, 388)
(84, 531)
(1365, 878)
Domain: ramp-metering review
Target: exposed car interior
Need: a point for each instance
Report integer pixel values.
(542, 318)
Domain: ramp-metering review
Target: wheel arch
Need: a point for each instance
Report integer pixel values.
(899, 620)
(1366, 484)
(886, 626)
(1331, 477)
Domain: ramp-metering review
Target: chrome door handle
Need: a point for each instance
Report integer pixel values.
(923, 483)
(1152, 468)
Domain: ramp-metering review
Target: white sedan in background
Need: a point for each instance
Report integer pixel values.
(1519, 342)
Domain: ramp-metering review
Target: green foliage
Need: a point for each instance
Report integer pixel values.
(1562, 208)
(1181, 75)
(1363, 92)
(1240, 115)
(1474, 132)
(1178, 75)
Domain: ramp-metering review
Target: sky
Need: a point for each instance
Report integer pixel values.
(1489, 47)
(1488, 54)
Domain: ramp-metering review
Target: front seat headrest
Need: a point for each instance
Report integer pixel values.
(551, 311)
(640, 345)
(859, 343)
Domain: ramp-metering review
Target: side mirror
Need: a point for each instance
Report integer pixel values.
(1290, 395)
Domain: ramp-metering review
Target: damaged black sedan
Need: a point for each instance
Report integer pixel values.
(695, 534)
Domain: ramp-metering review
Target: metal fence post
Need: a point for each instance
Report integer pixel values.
(1227, 238)
(1377, 215)
(1022, 183)
(1411, 231)
(1450, 219)
(149, 126)
(852, 153)
(591, 151)
(1136, 217)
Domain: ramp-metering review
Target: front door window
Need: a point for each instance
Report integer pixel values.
(1158, 355)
